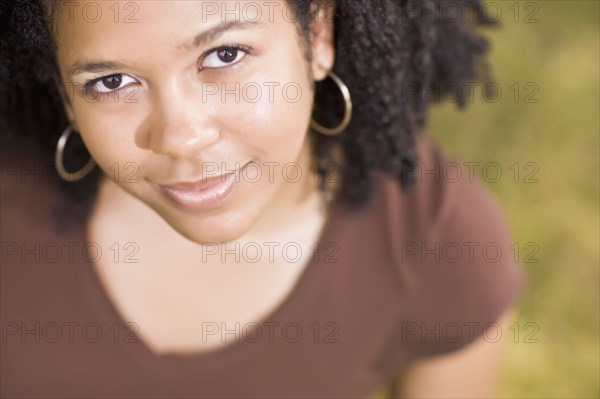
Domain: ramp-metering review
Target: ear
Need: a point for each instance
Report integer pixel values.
(68, 107)
(322, 40)
(71, 115)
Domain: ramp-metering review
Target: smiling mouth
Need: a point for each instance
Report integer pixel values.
(203, 194)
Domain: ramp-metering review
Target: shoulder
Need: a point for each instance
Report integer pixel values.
(28, 190)
(448, 201)
(34, 197)
(453, 252)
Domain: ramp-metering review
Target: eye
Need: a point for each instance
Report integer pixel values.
(109, 84)
(224, 56)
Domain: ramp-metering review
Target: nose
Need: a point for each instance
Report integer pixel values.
(181, 126)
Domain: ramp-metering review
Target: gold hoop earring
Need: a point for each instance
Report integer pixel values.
(347, 111)
(58, 160)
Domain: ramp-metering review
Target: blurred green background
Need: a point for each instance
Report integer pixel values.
(553, 46)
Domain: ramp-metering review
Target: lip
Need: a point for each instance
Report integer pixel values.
(204, 194)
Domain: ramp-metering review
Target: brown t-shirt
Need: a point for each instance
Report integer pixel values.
(412, 275)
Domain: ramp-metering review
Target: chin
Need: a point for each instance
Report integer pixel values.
(229, 223)
(212, 237)
(213, 230)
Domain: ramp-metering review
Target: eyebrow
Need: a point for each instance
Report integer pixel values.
(212, 34)
(200, 39)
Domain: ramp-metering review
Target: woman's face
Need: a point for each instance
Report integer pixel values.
(171, 92)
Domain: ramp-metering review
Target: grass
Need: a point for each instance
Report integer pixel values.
(560, 136)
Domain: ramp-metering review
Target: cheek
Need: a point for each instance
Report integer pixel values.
(110, 141)
(272, 116)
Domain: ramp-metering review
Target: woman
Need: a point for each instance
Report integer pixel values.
(255, 211)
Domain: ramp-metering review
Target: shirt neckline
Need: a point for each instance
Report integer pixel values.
(94, 291)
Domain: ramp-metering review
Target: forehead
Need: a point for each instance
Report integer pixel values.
(80, 25)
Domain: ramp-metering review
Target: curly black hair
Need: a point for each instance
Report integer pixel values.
(388, 52)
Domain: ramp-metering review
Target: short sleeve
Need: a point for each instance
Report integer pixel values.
(458, 254)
